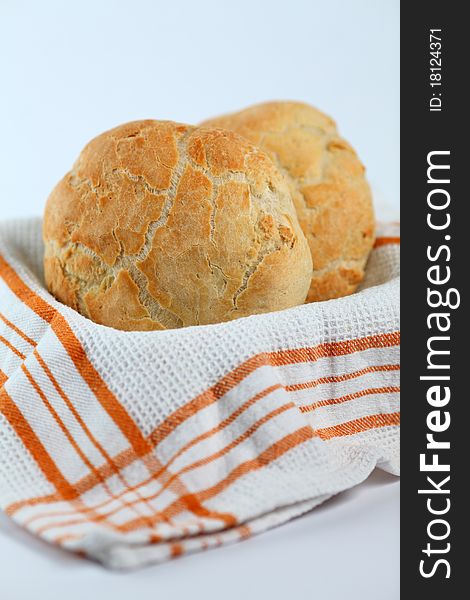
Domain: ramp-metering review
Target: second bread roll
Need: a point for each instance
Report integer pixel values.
(330, 191)
(161, 225)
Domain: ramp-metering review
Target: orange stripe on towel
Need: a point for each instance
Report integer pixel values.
(228, 382)
(272, 453)
(33, 444)
(79, 358)
(12, 348)
(17, 330)
(140, 445)
(284, 357)
(339, 378)
(359, 425)
(347, 397)
(3, 378)
(386, 241)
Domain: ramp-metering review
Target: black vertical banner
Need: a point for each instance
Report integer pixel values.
(435, 259)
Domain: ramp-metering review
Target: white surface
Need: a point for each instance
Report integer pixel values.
(73, 69)
(347, 548)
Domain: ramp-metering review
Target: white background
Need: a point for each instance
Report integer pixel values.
(70, 70)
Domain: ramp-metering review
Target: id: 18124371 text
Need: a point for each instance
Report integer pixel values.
(435, 69)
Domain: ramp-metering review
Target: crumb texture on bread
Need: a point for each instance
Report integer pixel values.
(328, 185)
(161, 225)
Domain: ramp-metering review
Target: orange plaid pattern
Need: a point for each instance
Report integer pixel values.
(175, 483)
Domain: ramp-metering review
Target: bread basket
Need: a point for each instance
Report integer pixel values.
(135, 447)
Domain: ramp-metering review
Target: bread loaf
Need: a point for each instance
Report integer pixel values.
(330, 192)
(161, 225)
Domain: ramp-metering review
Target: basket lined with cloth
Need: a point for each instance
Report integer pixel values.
(135, 447)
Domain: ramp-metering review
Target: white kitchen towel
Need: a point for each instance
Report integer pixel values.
(134, 447)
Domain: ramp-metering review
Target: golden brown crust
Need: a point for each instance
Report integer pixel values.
(330, 192)
(162, 225)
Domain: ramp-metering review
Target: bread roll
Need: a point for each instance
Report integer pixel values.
(161, 225)
(330, 192)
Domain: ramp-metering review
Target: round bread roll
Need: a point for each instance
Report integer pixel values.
(330, 192)
(161, 225)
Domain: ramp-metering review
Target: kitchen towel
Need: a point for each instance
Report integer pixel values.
(135, 447)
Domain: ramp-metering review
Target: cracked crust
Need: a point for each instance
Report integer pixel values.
(161, 225)
(327, 181)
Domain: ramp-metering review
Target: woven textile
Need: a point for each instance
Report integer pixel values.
(134, 447)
